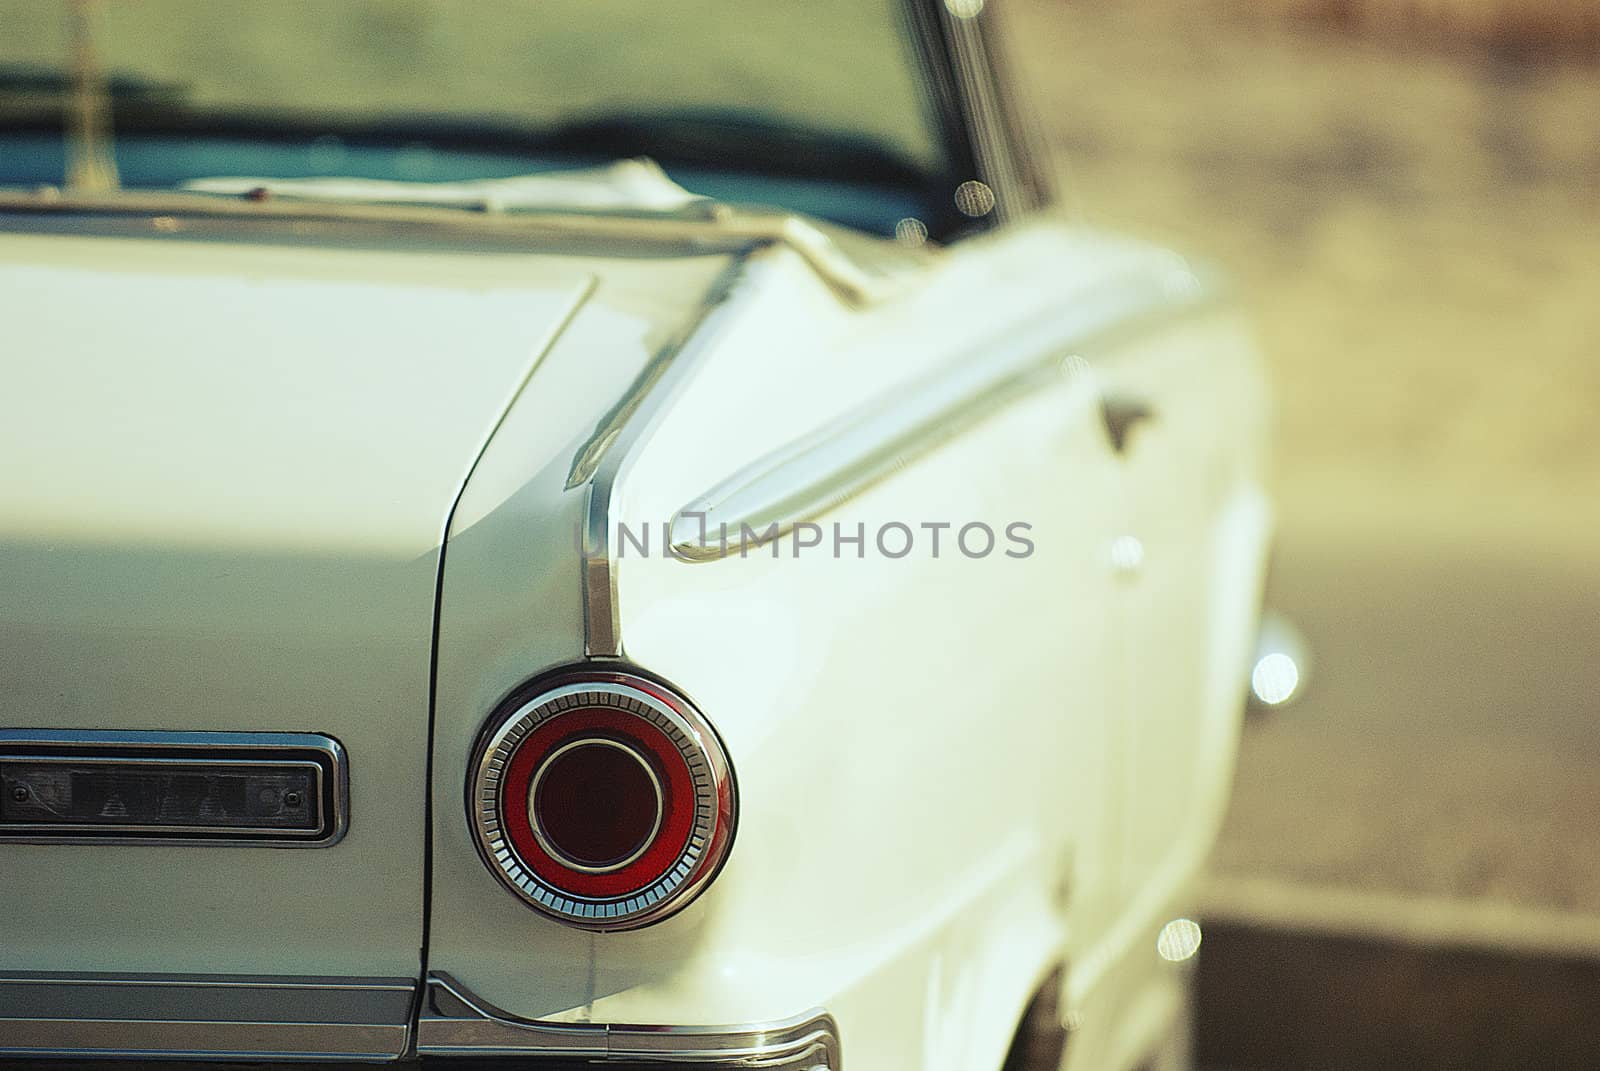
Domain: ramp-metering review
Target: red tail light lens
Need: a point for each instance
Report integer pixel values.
(597, 804)
(605, 800)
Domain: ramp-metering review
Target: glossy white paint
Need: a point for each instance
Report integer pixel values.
(511, 609)
(229, 470)
(267, 396)
(940, 760)
(956, 774)
(938, 716)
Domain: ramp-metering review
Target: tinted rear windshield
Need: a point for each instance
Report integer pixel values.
(820, 106)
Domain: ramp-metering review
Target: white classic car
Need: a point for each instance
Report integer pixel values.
(596, 534)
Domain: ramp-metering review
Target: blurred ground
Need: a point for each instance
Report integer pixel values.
(1409, 875)
(1418, 233)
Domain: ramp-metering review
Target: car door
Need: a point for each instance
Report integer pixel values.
(1186, 409)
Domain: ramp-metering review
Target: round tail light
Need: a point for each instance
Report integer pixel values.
(605, 801)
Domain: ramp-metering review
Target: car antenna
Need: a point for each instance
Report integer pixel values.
(91, 167)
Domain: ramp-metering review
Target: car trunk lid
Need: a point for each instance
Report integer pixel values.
(230, 467)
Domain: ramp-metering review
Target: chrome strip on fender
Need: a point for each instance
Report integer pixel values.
(605, 456)
(204, 1017)
(803, 480)
(454, 1022)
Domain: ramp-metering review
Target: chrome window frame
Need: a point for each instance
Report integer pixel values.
(970, 80)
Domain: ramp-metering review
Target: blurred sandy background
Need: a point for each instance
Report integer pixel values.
(1412, 209)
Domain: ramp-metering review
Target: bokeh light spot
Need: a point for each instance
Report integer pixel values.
(911, 231)
(1275, 678)
(1179, 940)
(974, 199)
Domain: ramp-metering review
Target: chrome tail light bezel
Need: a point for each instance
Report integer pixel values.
(548, 714)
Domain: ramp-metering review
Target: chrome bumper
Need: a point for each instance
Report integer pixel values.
(454, 1022)
(212, 1017)
(50, 1017)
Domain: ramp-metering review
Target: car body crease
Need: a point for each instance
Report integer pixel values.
(584, 292)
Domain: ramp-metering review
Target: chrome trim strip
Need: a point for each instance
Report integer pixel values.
(455, 1022)
(204, 1017)
(724, 229)
(183, 748)
(611, 449)
(812, 475)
